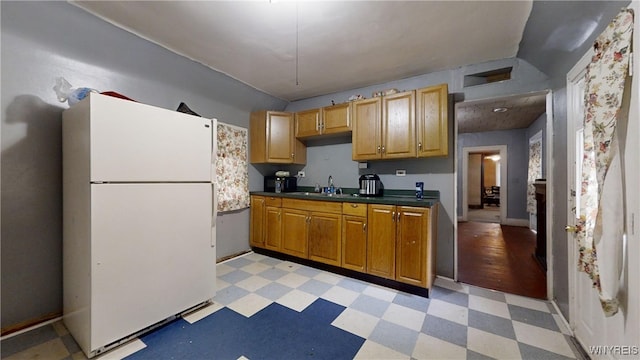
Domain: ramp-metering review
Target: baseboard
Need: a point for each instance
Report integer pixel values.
(564, 320)
(516, 222)
(26, 326)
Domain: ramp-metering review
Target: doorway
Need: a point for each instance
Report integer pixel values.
(484, 193)
(498, 254)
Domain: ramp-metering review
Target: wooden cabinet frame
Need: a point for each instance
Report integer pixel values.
(272, 139)
(387, 241)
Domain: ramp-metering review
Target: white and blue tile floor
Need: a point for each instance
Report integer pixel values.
(266, 308)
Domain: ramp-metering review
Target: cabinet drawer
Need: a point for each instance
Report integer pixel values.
(273, 201)
(311, 205)
(354, 209)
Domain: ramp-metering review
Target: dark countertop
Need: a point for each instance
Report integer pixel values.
(391, 197)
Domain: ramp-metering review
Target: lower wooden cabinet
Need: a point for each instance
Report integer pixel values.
(256, 224)
(413, 240)
(381, 241)
(400, 245)
(273, 228)
(325, 234)
(388, 241)
(354, 236)
(354, 242)
(295, 228)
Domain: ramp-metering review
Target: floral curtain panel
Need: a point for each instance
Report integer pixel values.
(600, 226)
(232, 174)
(535, 172)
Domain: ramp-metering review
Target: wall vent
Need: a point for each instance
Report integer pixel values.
(488, 77)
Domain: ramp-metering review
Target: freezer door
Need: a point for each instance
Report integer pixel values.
(133, 142)
(151, 255)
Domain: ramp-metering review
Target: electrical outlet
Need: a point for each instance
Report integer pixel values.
(301, 174)
(401, 172)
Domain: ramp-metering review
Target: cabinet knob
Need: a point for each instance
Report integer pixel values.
(364, 227)
(393, 216)
(292, 155)
(317, 125)
(378, 149)
(354, 205)
(383, 149)
(420, 146)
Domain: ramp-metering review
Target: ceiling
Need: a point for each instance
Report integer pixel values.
(300, 49)
(521, 111)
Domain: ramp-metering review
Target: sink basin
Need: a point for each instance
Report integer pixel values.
(314, 194)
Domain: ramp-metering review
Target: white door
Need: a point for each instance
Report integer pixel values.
(617, 336)
(133, 142)
(151, 255)
(586, 317)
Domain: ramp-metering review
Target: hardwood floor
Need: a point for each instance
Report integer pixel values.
(500, 257)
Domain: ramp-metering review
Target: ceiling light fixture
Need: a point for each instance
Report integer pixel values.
(500, 109)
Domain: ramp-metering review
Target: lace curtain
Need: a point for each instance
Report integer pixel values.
(535, 172)
(232, 172)
(600, 226)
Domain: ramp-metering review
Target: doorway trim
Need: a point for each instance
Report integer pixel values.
(502, 149)
(572, 114)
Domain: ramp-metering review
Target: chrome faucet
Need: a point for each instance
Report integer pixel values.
(331, 189)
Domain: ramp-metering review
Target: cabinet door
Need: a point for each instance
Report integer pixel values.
(295, 227)
(280, 141)
(354, 242)
(336, 119)
(398, 125)
(308, 123)
(381, 241)
(256, 226)
(432, 121)
(367, 125)
(325, 232)
(273, 228)
(411, 248)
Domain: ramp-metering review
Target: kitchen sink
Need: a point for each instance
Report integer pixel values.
(314, 194)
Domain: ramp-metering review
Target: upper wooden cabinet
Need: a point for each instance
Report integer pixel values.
(384, 127)
(325, 121)
(272, 139)
(308, 123)
(398, 125)
(336, 119)
(367, 129)
(432, 121)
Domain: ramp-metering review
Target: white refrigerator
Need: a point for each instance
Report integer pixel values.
(139, 218)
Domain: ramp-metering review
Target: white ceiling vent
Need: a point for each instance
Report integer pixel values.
(487, 77)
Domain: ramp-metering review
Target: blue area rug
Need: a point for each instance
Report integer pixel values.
(275, 332)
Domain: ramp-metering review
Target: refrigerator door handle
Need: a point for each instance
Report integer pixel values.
(214, 214)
